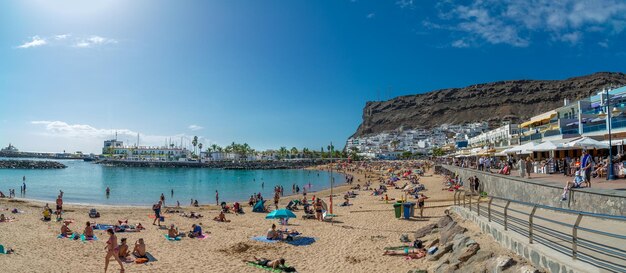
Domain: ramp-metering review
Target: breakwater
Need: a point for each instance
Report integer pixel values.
(30, 164)
(226, 165)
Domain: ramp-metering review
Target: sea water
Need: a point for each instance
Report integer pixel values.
(86, 183)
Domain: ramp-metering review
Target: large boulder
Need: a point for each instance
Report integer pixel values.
(501, 263)
(450, 231)
(444, 221)
(481, 256)
(442, 251)
(459, 241)
(425, 230)
(468, 252)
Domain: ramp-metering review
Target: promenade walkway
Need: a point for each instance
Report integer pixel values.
(597, 240)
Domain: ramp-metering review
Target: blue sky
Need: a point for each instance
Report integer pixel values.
(270, 73)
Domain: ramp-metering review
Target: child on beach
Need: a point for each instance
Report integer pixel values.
(576, 183)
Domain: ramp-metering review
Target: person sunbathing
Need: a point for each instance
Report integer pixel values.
(5, 219)
(221, 217)
(65, 230)
(274, 264)
(172, 232)
(140, 249)
(411, 253)
(123, 252)
(88, 231)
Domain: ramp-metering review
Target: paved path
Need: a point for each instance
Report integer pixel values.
(560, 236)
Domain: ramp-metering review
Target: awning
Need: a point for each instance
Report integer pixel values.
(547, 116)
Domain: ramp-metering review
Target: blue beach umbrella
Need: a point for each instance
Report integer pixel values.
(280, 214)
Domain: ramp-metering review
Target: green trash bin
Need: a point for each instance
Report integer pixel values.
(397, 207)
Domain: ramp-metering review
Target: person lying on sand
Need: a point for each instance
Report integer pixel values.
(192, 215)
(221, 217)
(274, 264)
(5, 219)
(65, 230)
(88, 231)
(140, 249)
(123, 252)
(411, 253)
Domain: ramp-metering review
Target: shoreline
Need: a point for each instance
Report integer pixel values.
(343, 186)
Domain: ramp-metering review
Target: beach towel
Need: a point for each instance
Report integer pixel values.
(278, 270)
(398, 247)
(301, 241)
(264, 267)
(2, 250)
(103, 226)
(202, 237)
(148, 257)
(264, 239)
(85, 239)
(172, 239)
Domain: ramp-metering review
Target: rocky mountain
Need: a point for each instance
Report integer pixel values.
(493, 102)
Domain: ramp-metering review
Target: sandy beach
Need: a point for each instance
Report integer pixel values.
(353, 243)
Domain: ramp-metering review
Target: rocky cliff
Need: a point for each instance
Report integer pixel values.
(492, 102)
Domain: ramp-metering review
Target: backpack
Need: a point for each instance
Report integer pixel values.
(418, 244)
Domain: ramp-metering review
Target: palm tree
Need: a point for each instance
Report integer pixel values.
(294, 151)
(214, 147)
(282, 152)
(194, 142)
(200, 148)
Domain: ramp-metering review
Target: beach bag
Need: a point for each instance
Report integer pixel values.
(162, 218)
(288, 269)
(141, 260)
(418, 244)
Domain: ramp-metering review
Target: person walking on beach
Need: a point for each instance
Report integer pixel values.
(163, 199)
(217, 198)
(585, 166)
(157, 213)
(420, 204)
(529, 166)
(112, 251)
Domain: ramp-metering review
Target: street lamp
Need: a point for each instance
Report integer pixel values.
(605, 103)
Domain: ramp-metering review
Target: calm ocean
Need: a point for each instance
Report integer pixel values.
(85, 183)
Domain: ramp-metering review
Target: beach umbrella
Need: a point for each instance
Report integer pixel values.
(587, 143)
(521, 149)
(280, 214)
(549, 146)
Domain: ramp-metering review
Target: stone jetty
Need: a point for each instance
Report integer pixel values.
(30, 164)
(228, 165)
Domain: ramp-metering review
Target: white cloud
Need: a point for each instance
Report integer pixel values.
(371, 15)
(194, 127)
(62, 36)
(405, 4)
(460, 44)
(91, 134)
(35, 42)
(604, 43)
(64, 40)
(94, 40)
(517, 22)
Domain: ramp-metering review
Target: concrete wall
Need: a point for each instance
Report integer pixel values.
(540, 256)
(603, 201)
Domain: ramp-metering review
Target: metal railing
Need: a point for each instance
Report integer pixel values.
(606, 250)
